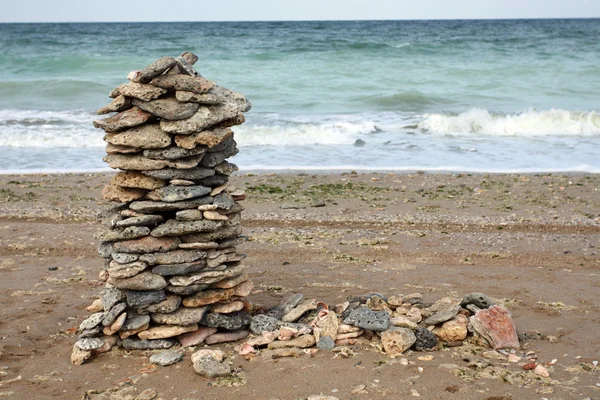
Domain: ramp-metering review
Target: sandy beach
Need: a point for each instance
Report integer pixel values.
(528, 241)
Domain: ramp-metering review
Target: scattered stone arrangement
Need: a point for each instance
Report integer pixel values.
(172, 271)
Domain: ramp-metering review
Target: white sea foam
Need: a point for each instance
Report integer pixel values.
(554, 122)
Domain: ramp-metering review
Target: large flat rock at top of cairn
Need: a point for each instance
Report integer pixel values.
(170, 140)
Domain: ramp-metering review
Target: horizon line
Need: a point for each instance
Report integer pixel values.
(306, 20)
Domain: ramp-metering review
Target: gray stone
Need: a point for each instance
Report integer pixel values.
(443, 315)
(142, 281)
(174, 227)
(211, 159)
(223, 201)
(119, 103)
(114, 312)
(92, 321)
(186, 290)
(325, 343)
(169, 305)
(144, 220)
(425, 339)
(124, 258)
(135, 322)
(116, 270)
(147, 136)
(89, 343)
(187, 83)
(123, 120)
(263, 323)
(135, 298)
(157, 68)
(189, 215)
(105, 250)
(90, 333)
(229, 322)
(227, 146)
(132, 232)
(137, 162)
(139, 344)
(223, 233)
(166, 357)
(368, 319)
(173, 153)
(157, 206)
(479, 300)
(168, 108)
(210, 366)
(147, 244)
(226, 168)
(110, 297)
(173, 257)
(214, 180)
(168, 174)
(170, 194)
(205, 117)
(208, 277)
(179, 269)
(206, 98)
(138, 90)
(182, 317)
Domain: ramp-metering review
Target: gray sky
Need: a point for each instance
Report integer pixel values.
(252, 10)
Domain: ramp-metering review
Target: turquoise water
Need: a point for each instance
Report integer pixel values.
(383, 95)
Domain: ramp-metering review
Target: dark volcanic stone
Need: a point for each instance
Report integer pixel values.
(113, 314)
(425, 340)
(230, 322)
(139, 344)
(215, 180)
(179, 269)
(480, 300)
(186, 290)
(368, 319)
(137, 298)
(135, 322)
(263, 323)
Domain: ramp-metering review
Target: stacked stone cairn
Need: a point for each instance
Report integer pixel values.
(172, 271)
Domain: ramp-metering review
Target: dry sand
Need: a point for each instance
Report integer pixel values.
(529, 241)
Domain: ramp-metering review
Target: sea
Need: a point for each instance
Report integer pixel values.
(469, 95)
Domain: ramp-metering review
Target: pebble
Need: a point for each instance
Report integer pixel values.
(89, 343)
(166, 357)
(424, 340)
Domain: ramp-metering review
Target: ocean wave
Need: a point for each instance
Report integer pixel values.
(49, 129)
(554, 122)
(406, 100)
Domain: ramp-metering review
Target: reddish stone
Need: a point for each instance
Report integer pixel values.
(496, 325)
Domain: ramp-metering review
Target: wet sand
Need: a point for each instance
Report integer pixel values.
(529, 241)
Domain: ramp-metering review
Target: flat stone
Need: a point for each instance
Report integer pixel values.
(214, 216)
(140, 163)
(139, 91)
(223, 233)
(117, 149)
(227, 307)
(145, 220)
(173, 257)
(118, 104)
(224, 337)
(181, 182)
(226, 168)
(263, 323)
(179, 269)
(302, 342)
(137, 180)
(298, 311)
(123, 120)
(480, 300)
(115, 326)
(223, 201)
(425, 340)
(209, 363)
(157, 206)
(124, 334)
(496, 326)
(187, 83)
(170, 194)
(206, 98)
(229, 322)
(147, 244)
(454, 330)
(197, 337)
(95, 307)
(144, 298)
(368, 319)
(92, 321)
(230, 283)
(207, 277)
(403, 322)
(142, 281)
(190, 174)
(205, 117)
(89, 343)
(214, 180)
(397, 340)
(116, 270)
(213, 158)
(186, 290)
(121, 194)
(110, 297)
(135, 322)
(215, 191)
(183, 316)
(132, 232)
(168, 108)
(244, 289)
(164, 332)
(88, 333)
(227, 146)
(189, 215)
(442, 315)
(166, 357)
(148, 136)
(169, 305)
(137, 344)
(286, 305)
(173, 153)
(157, 68)
(217, 263)
(114, 312)
(207, 297)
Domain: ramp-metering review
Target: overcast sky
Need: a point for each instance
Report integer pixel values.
(252, 10)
